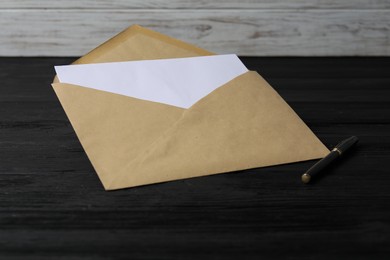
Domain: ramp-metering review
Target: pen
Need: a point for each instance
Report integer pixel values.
(339, 150)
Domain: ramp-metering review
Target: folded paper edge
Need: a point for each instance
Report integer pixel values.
(63, 84)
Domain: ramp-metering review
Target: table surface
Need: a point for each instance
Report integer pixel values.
(52, 204)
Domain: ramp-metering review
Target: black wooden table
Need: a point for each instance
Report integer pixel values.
(52, 204)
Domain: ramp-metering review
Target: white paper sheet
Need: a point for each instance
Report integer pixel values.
(177, 82)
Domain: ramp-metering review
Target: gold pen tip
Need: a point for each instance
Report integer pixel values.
(306, 178)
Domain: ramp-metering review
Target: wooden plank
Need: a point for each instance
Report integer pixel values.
(246, 32)
(191, 4)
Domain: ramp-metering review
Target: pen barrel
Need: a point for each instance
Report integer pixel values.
(346, 144)
(323, 163)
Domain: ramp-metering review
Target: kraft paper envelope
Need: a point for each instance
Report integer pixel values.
(131, 141)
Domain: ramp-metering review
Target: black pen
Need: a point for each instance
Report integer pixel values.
(340, 149)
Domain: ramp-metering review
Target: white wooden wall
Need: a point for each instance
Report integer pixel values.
(246, 27)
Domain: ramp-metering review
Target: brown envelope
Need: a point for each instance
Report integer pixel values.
(131, 142)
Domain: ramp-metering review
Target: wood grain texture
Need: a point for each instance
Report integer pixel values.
(195, 4)
(52, 205)
(246, 32)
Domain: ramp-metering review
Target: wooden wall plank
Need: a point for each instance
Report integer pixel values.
(246, 32)
(193, 4)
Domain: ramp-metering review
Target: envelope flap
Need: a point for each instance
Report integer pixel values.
(139, 43)
(112, 128)
(243, 124)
